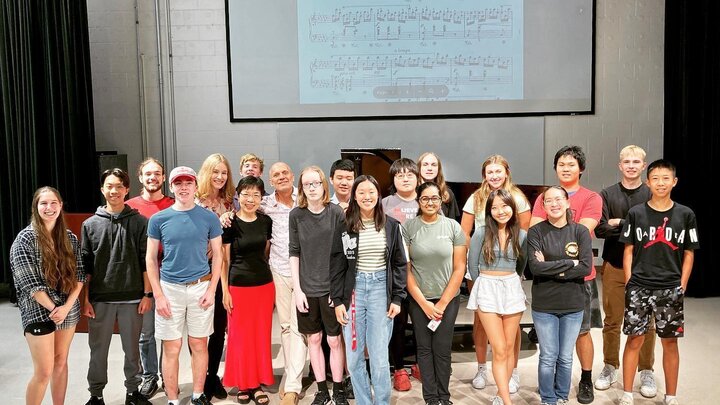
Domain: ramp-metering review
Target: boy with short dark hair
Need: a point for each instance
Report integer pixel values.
(113, 253)
(342, 175)
(660, 239)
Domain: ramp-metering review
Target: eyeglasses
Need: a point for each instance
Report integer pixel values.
(409, 176)
(434, 199)
(247, 196)
(556, 200)
(312, 184)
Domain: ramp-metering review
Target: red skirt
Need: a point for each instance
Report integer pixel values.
(248, 359)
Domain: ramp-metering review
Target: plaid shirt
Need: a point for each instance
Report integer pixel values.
(26, 267)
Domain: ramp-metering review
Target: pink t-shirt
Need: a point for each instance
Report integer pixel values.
(584, 203)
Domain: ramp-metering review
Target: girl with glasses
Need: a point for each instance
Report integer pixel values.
(247, 283)
(560, 256)
(316, 229)
(436, 247)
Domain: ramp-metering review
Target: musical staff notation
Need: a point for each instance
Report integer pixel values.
(347, 73)
(410, 23)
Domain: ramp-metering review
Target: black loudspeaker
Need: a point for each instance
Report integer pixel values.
(110, 160)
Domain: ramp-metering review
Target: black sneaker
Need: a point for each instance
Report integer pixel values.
(321, 398)
(149, 387)
(95, 401)
(340, 398)
(585, 392)
(214, 388)
(349, 393)
(135, 398)
(201, 400)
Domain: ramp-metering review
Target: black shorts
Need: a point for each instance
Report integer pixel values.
(665, 305)
(592, 317)
(41, 328)
(320, 315)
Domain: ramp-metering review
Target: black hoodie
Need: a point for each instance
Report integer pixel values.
(113, 253)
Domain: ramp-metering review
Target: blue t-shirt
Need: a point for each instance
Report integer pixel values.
(184, 236)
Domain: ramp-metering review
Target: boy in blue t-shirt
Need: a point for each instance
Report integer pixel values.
(660, 239)
(185, 288)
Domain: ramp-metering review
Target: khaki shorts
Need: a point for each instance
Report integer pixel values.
(186, 311)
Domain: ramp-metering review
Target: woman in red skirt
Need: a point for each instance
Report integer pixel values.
(248, 296)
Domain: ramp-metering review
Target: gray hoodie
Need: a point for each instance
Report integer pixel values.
(113, 253)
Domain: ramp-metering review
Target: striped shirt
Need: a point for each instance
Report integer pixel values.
(371, 248)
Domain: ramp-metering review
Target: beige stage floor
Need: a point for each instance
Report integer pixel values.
(699, 371)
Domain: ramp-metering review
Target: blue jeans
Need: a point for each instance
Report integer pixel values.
(557, 334)
(373, 329)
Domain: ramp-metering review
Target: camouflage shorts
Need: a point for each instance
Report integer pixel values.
(666, 304)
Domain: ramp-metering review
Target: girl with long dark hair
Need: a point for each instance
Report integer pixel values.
(48, 273)
(368, 292)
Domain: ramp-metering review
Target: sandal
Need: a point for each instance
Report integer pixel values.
(260, 397)
(243, 397)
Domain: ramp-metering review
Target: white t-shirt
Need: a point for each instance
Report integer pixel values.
(521, 203)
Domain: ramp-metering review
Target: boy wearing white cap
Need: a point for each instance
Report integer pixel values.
(184, 290)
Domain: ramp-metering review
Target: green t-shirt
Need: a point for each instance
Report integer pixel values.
(431, 252)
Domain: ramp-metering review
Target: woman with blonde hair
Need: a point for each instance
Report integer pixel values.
(48, 273)
(430, 169)
(215, 193)
(495, 175)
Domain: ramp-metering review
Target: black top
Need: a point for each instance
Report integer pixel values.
(659, 240)
(113, 252)
(248, 264)
(617, 201)
(558, 285)
(450, 208)
(312, 238)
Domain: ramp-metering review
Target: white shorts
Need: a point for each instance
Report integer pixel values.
(497, 294)
(186, 311)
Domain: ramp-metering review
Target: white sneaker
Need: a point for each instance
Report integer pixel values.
(480, 380)
(497, 401)
(514, 383)
(648, 389)
(608, 376)
(673, 401)
(626, 400)
(561, 401)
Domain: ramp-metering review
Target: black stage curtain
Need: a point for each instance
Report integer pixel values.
(47, 119)
(692, 123)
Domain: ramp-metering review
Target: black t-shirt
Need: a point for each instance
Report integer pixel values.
(659, 242)
(248, 265)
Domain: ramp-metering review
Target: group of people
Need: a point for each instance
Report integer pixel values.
(344, 272)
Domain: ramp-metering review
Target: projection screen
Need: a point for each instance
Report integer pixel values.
(378, 59)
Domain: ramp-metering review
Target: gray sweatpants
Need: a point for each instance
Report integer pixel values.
(100, 331)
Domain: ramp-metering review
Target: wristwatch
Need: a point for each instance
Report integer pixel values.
(148, 294)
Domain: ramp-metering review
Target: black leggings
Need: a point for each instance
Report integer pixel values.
(216, 341)
(397, 340)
